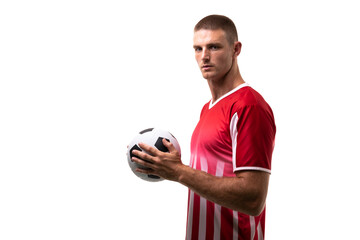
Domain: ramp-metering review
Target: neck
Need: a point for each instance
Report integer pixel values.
(219, 87)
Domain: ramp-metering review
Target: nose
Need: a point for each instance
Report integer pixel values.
(205, 56)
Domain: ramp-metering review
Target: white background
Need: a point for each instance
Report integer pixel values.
(80, 78)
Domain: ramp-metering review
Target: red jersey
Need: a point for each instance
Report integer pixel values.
(235, 133)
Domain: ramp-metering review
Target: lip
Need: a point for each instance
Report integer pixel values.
(207, 66)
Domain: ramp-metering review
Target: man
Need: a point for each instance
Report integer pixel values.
(231, 147)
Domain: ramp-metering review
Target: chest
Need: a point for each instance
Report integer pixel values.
(212, 132)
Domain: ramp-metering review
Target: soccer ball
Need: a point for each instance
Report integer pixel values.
(152, 137)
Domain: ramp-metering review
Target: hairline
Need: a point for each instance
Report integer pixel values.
(230, 39)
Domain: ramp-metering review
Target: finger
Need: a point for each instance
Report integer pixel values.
(169, 146)
(145, 171)
(143, 156)
(145, 165)
(151, 150)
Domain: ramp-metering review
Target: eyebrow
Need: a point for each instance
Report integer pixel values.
(208, 45)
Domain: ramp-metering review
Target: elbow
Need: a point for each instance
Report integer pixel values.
(256, 209)
(253, 207)
(256, 202)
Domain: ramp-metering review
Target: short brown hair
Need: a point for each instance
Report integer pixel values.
(215, 22)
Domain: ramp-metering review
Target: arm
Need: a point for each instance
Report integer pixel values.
(245, 193)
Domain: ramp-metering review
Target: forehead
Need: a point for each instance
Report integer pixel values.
(205, 36)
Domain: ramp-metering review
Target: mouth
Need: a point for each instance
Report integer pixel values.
(207, 67)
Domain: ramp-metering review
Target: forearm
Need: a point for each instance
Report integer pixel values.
(232, 192)
(245, 193)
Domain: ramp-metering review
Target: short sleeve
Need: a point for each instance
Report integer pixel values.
(252, 131)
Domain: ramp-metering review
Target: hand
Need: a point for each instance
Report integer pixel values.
(162, 164)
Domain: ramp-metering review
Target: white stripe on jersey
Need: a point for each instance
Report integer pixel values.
(217, 208)
(235, 225)
(202, 217)
(217, 221)
(233, 134)
(252, 168)
(190, 215)
(191, 204)
(252, 227)
(259, 232)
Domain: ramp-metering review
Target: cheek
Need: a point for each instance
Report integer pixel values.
(198, 59)
(225, 61)
(230, 60)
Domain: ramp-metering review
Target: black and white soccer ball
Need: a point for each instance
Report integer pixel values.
(152, 137)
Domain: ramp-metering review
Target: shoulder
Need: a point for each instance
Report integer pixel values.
(247, 103)
(248, 97)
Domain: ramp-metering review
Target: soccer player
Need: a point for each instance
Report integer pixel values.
(231, 146)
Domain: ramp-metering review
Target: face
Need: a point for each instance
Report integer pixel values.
(213, 53)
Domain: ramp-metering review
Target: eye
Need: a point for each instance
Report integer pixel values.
(197, 49)
(214, 47)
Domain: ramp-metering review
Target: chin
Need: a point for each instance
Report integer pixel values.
(208, 75)
(211, 77)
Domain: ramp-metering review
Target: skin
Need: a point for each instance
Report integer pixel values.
(246, 193)
(217, 60)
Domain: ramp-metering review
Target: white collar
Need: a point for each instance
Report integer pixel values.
(211, 104)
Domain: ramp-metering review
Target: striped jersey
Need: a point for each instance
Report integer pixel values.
(235, 133)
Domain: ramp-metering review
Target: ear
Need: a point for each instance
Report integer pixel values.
(237, 48)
